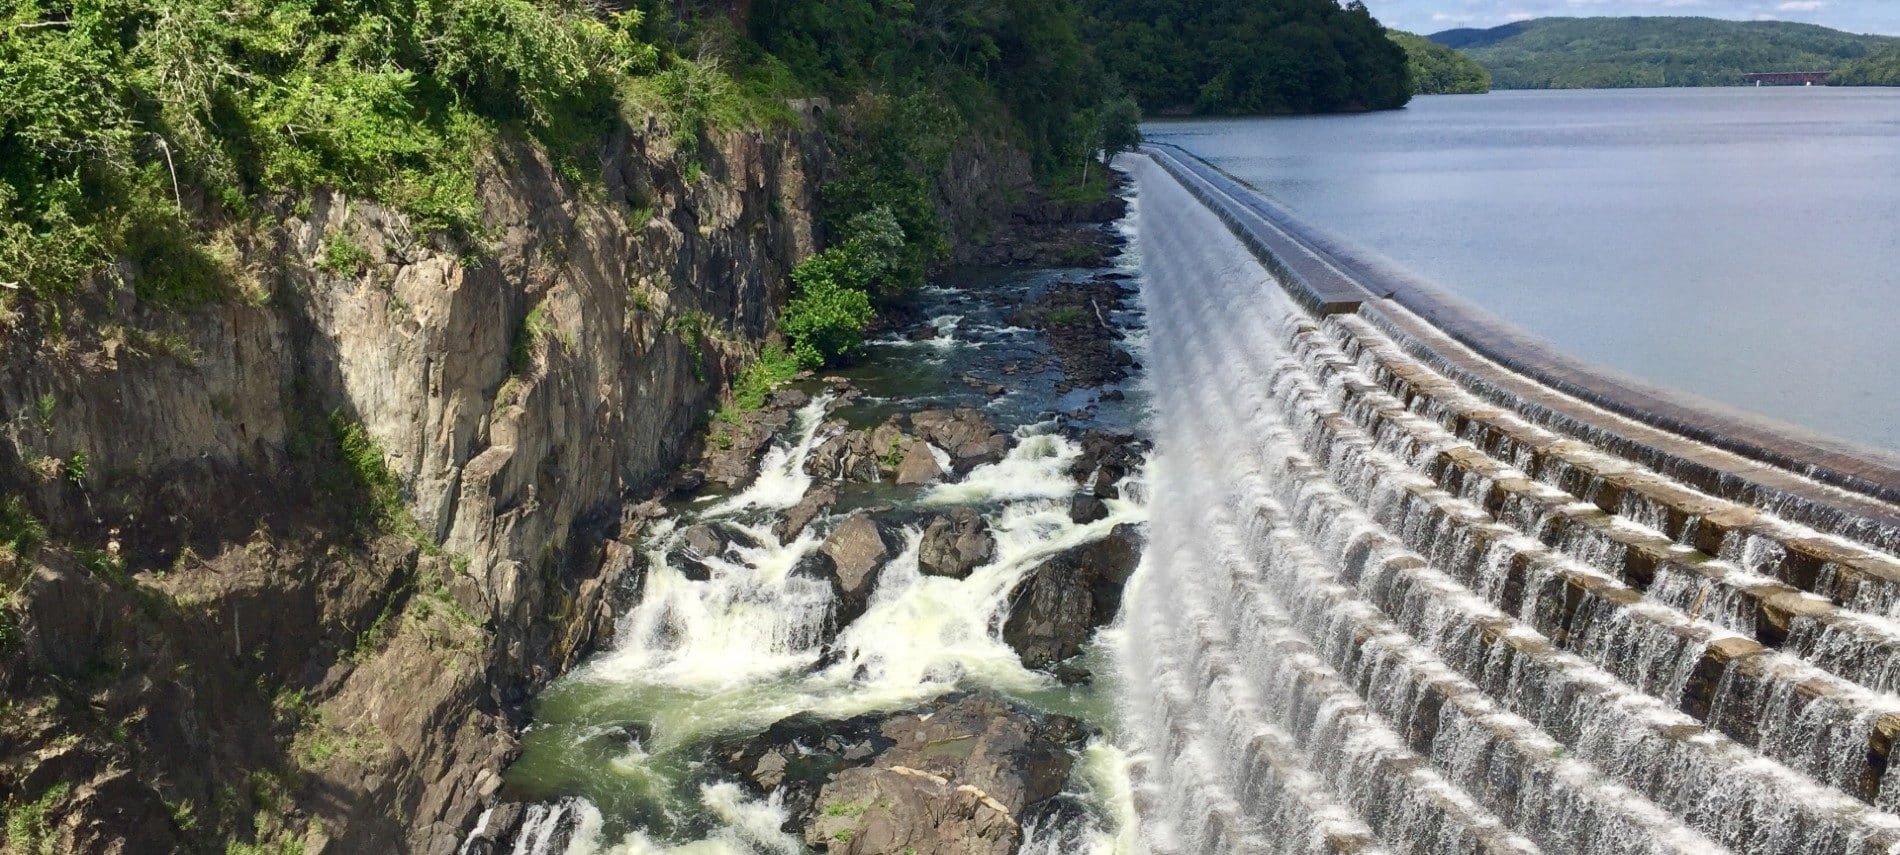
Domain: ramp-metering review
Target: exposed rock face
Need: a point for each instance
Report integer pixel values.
(1061, 603)
(919, 466)
(1105, 460)
(1085, 508)
(955, 779)
(845, 456)
(851, 557)
(968, 435)
(954, 544)
(510, 443)
(815, 501)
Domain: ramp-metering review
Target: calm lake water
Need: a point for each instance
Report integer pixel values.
(1741, 244)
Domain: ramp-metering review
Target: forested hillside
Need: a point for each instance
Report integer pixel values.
(1439, 70)
(1181, 57)
(1879, 69)
(1576, 53)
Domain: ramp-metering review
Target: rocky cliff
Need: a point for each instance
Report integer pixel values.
(286, 564)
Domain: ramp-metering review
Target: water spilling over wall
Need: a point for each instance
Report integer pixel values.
(1389, 608)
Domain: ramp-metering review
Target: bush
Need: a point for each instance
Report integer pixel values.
(830, 308)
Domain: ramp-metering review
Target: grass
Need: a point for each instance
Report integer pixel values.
(43, 411)
(342, 256)
(27, 829)
(1064, 315)
(530, 337)
(775, 367)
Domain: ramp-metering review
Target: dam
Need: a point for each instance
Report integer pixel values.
(1418, 584)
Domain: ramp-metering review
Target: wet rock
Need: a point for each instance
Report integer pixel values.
(1055, 610)
(733, 460)
(797, 755)
(955, 544)
(957, 778)
(697, 544)
(1073, 318)
(1085, 508)
(788, 399)
(919, 466)
(968, 435)
(845, 456)
(816, 501)
(1106, 458)
(922, 332)
(889, 444)
(687, 482)
(850, 558)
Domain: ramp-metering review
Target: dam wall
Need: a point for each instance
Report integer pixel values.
(1418, 584)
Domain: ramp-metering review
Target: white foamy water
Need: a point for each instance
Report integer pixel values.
(1366, 624)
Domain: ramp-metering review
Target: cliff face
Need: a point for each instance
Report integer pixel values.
(310, 546)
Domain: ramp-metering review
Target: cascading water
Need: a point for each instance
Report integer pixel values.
(1381, 613)
(618, 755)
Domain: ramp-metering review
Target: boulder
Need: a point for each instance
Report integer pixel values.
(968, 435)
(815, 501)
(958, 776)
(919, 466)
(955, 544)
(844, 456)
(1059, 605)
(1085, 508)
(850, 558)
(698, 543)
(733, 461)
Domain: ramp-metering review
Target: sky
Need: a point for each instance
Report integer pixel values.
(1430, 16)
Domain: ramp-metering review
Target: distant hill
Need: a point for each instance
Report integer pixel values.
(1439, 70)
(1879, 69)
(1578, 53)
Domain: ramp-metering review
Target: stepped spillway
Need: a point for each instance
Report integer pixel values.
(1402, 598)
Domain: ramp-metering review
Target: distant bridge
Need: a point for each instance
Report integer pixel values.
(1789, 78)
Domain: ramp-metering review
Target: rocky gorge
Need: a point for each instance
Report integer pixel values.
(287, 567)
(864, 619)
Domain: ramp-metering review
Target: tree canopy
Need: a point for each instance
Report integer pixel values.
(1576, 53)
(1879, 69)
(1439, 70)
(1249, 56)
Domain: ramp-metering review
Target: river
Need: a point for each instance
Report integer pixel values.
(1739, 244)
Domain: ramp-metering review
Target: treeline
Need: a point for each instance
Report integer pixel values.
(1438, 70)
(1573, 53)
(1880, 69)
(1179, 57)
(135, 131)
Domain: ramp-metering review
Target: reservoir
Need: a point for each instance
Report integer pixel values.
(1737, 244)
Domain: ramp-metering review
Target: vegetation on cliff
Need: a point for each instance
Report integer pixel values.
(1879, 69)
(1439, 70)
(1591, 53)
(1252, 56)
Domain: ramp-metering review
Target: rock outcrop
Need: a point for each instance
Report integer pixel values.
(315, 542)
(968, 435)
(954, 544)
(850, 558)
(1061, 603)
(953, 777)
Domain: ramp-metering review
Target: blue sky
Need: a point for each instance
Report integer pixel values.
(1430, 16)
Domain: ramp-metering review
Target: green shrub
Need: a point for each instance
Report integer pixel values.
(529, 338)
(343, 257)
(829, 309)
(20, 531)
(27, 829)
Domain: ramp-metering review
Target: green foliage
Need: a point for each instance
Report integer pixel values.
(1249, 56)
(530, 337)
(1120, 124)
(1439, 70)
(774, 367)
(343, 256)
(43, 407)
(20, 531)
(112, 114)
(28, 831)
(830, 307)
(374, 493)
(77, 466)
(1878, 69)
(1577, 53)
